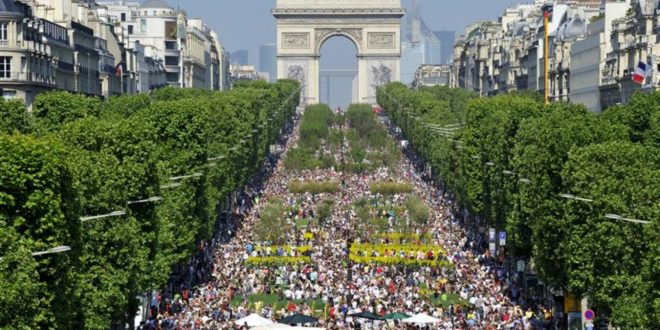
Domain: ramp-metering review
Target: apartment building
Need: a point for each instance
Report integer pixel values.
(431, 75)
(36, 55)
(105, 48)
(633, 39)
(594, 47)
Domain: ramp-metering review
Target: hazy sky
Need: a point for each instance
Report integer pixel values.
(246, 24)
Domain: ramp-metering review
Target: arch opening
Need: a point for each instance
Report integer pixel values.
(338, 75)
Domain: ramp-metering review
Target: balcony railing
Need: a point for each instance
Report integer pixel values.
(19, 76)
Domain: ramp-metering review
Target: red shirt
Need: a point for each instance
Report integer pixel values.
(392, 288)
(291, 307)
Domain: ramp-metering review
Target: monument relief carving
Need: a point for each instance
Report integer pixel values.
(295, 40)
(297, 71)
(381, 40)
(380, 75)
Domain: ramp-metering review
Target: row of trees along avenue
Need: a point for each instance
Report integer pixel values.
(161, 162)
(566, 184)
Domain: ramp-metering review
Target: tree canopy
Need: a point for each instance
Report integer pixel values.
(76, 156)
(507, 160)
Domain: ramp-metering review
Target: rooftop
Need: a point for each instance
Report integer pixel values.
(156, 4)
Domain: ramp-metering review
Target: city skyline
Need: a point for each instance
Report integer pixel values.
(225, 16)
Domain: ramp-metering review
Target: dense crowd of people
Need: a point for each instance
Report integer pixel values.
(214, 291)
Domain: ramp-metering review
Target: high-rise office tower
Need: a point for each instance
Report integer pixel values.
(418, 44)
(447, 39)
(239, 57)
(268, 60)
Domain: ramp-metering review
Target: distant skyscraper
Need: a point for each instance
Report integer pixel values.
(418, 45)
(447, 39)
(411, 59)
(239, 57)
(268, 60)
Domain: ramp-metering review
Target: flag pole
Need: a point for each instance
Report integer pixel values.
(121, 80)
(545, 49)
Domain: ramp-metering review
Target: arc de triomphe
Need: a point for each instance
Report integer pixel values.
(374, 26)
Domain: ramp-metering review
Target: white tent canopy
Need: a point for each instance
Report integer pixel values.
(274, 326)
(421, 319)
(254, 320)
(279, 326)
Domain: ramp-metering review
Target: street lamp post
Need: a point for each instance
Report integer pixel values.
(147, 200)
(57, 249)
(621, 218)
(570, 196)
(183, 177)
(171, 185)
(109, 215)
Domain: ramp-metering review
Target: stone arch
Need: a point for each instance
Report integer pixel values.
(323, 35)
(374, 26)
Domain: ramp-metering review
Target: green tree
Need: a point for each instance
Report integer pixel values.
(541, 150)
(637, 114)
(53, 109)
(604, 258)
(13, 117)
(24, 298)
(39, 202)
(272, 226)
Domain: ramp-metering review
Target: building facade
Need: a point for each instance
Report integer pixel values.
(36, 55)
(634, 39)
(105, 48)
(508, 54)
(594, 48)
(431, 75)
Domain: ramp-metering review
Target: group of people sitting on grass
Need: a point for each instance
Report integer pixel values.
(467, 288)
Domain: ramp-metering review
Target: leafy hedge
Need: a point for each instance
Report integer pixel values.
(277, 261)
(381, 248)
(81, 156)
(286, 248)
(395, 260)
(313, 187)
(390, 188)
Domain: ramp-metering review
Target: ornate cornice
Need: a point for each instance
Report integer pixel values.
(311, 12)
(339, 20)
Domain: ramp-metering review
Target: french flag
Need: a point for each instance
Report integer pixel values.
(640, 73)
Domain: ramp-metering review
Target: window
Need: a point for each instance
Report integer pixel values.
(123, 17)
(5, 67)
(143, 25)
(171, 60)
(170, 45)
(130, 29)
(3, 31)
(172, 77)
(8, 95)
